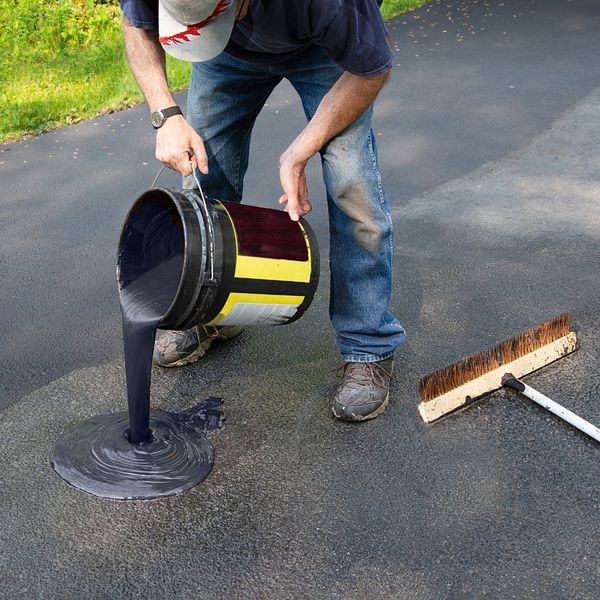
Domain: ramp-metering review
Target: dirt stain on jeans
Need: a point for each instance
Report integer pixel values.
(353, 201)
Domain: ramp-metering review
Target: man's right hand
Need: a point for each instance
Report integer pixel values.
(177, 144)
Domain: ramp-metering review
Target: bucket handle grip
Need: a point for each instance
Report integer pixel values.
(209, 224)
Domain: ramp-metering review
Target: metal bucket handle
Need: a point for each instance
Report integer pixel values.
(204, 207)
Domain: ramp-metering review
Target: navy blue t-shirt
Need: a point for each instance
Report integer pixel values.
(352, 32)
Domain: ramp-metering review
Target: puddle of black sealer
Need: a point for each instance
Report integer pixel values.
(147, 455)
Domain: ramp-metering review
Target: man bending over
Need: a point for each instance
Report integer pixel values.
(336, 55)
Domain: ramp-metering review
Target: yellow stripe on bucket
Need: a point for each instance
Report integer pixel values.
(272, 269)
(242, 308)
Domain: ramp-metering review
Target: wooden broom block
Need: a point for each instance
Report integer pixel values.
(445, 403)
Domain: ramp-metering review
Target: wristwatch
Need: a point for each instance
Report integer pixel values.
(158, 117)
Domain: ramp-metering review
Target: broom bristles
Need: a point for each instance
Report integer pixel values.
(479, 364)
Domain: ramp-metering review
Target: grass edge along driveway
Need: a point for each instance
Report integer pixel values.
(63, 62)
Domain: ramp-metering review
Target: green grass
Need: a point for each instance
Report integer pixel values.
(62, 61)
(392, 8)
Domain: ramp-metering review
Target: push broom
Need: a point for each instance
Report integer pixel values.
(502, 365)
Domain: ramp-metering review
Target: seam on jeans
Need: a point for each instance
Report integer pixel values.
(366, 359)
(239, 164)
(381, 194)
(374, 164)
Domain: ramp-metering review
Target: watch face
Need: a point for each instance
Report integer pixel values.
(157, 118)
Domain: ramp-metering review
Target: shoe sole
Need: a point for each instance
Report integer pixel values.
(380, 409)
(198, 353)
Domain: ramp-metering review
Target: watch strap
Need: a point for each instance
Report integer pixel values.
(171, 111)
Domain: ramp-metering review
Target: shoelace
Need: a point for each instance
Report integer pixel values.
(209, 331)
(364, 373)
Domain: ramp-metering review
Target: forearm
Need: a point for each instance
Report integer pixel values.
(177, 143)
(349, 97)
(147, 62)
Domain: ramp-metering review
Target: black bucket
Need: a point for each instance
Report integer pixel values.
(184, 261)
(239, 264)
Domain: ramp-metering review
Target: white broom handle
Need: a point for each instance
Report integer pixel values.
(554, 407)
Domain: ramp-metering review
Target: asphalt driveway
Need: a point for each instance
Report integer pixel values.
(489, 136)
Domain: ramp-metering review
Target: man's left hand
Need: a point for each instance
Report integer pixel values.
(293, 181)
(349, 97)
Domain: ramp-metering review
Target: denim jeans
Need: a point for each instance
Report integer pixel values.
(224, 99)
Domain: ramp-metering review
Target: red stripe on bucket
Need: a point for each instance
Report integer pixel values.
(267, 233)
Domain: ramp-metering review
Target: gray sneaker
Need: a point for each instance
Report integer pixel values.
(179, 348)
(364, 391)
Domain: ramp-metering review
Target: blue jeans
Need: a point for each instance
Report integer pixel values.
(224, 99)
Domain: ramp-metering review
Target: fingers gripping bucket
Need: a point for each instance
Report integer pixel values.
(242, 265)
(184, 261)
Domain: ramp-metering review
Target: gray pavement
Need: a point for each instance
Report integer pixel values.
(489, 137)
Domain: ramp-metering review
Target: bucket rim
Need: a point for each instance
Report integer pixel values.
(170, 195)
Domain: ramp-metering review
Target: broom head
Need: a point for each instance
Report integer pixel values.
(450, 388)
